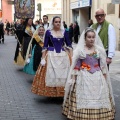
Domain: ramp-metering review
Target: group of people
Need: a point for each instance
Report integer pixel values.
(9, 28)
(80, 76)
(6, 28)
(73, 30)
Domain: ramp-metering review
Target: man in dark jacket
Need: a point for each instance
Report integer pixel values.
(64, 24)
(71, 32)
(1, 32)
(76, 32)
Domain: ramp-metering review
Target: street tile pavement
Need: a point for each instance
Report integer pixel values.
(16, 100)
(18, 103)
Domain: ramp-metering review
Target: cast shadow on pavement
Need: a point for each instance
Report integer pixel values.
(49, 100)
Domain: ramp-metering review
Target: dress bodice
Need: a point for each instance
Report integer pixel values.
(51, 42)
(90, 63)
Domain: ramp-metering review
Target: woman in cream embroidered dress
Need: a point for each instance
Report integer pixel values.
(52, 73)
(34, 52)
(88, 90)
(28, 32)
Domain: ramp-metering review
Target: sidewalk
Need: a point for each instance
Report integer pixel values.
(115, 65)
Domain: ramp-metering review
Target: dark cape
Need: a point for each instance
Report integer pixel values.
(37, 55)
(19, 33)
(26, 40)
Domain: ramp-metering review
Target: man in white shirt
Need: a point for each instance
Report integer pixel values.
(107, 34)
(45, 22)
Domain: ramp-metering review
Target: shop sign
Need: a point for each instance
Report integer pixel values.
(52, 7)
(80, 4)
(116, 1)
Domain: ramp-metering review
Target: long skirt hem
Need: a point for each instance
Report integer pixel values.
(39, 87)
(71, 112)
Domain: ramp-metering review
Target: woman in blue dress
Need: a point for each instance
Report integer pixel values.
(34, 52)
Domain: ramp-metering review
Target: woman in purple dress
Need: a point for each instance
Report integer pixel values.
(88, 90)
(52, 73)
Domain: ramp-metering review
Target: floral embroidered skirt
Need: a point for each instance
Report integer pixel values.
(71, 112)
(39, 87)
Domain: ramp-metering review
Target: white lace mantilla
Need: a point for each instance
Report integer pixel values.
(58, 65)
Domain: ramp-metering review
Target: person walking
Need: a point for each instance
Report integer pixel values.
(52, 73)
(29, 29)
(19, 31)
(107, 34)
(65, 25)
(8, 27)
(71, 32)
(34, 52)
(76, 32)
(45, 22)
(1, 32)
(88, 90)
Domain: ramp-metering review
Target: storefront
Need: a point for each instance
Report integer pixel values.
(81, 12)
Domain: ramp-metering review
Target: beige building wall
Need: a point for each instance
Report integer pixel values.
(112, 17)
(66, 12)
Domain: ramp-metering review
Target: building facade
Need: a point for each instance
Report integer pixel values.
(6, 11)
(48, 7)
(83, 10)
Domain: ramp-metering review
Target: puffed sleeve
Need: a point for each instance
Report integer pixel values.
(67, 40)
(77, 67)
(46, 40)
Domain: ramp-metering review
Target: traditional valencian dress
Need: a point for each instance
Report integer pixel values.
(18, 58)
(89, 97)
(51, 78)
(36, 45)
(26, 38)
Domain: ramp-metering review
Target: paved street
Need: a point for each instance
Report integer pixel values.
(18, 103)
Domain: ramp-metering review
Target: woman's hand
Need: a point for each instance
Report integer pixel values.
(28, 61)
(43, 62)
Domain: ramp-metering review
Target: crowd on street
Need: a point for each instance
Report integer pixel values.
(79, 75)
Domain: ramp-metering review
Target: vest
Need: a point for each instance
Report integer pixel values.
(103, 33)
